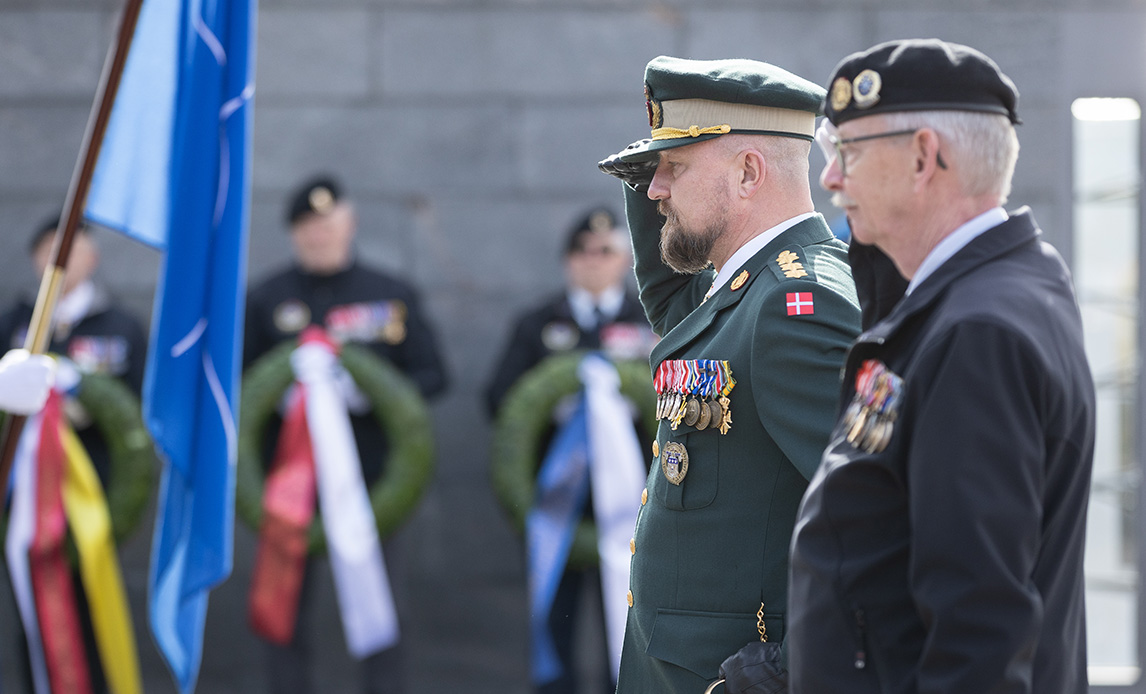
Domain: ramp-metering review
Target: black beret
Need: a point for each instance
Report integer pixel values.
(594, 221)
(316, 196)
(695, 100)
(918, 75)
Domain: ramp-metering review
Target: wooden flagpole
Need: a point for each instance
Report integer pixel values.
(39, 330)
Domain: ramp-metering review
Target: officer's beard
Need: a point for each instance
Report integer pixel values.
(684, 250)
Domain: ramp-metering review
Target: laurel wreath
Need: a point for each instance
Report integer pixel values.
(115, 413)
(524, 419)
(398, 408)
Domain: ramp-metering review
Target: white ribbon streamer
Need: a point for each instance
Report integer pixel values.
(21, 528)
(369, 617)
(616, 476)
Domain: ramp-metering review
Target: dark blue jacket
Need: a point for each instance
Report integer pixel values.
(951, 560)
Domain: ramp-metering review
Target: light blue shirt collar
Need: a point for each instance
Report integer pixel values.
(955, 242)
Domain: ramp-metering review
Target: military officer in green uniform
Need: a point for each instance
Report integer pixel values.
(756, 306)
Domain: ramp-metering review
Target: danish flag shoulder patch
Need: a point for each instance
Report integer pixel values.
(800, 304)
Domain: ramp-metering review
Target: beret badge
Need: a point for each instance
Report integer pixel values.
(841, 94)
(321, 199)
(600, 221)
(865, 89)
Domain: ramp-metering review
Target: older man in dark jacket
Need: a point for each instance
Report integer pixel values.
(939, 547)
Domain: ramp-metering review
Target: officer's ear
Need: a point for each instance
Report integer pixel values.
(753, 169)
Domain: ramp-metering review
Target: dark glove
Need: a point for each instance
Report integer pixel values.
(638, 174)
(755, 669)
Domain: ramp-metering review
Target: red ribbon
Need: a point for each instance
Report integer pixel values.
(288, 508)
(52, 588)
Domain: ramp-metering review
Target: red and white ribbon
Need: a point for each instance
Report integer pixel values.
(369, 617)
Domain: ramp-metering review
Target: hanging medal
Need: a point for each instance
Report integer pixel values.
(870, 418)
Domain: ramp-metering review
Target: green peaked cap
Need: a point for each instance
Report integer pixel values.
(691, 101)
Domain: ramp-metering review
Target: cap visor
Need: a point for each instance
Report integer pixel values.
(649, 149)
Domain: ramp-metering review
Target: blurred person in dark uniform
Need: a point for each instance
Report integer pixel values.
(326, 285)
(94, 335)
(940, 545)
(90, 328)
(595, 311)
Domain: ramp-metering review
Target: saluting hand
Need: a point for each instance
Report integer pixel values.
(638, 174)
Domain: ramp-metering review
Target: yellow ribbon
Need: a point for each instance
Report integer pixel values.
(90, 522)
(692, 131)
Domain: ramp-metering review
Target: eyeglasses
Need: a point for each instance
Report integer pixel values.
(838, 144)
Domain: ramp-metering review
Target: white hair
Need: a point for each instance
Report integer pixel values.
(981, 148)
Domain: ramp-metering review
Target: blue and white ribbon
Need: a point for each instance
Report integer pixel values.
(562, 488)
(596, 448)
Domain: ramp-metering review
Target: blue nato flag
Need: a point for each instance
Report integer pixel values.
(174, 172)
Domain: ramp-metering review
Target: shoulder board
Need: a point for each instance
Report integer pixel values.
(791, 263)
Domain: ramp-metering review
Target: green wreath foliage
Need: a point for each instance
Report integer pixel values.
(398, 408)
(115, 413)
(524, 419)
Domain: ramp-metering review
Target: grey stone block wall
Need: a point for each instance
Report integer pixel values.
(467, 133)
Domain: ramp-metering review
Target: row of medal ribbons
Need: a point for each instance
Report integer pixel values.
(695, 392)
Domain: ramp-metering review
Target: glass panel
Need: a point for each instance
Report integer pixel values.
(1106, 230)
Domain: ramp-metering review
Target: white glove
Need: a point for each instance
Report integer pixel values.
(25, 380)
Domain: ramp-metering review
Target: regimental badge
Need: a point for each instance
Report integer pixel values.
(674, 462)
(560, 336)
(865, 88)
(739, 281)
(791, 266)
(800, 303)
(870, 418)
(656, 118)
(841, 94)
(321, 199)
(291, 316)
